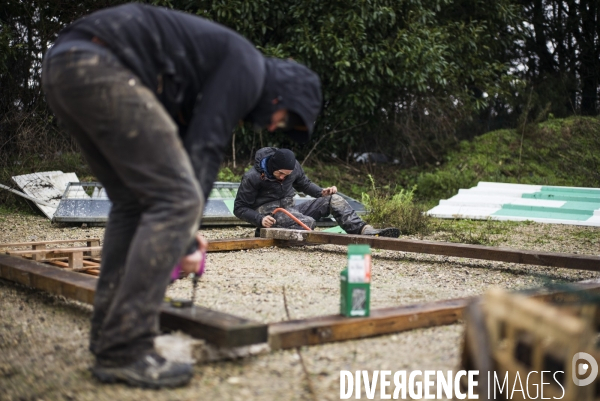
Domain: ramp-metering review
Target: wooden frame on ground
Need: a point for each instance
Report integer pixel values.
(227, 330)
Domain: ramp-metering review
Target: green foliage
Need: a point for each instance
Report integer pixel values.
(557, 152)
(387, 66)
(398, 210)
(225, 174)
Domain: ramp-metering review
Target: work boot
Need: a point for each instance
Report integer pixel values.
(150, 371)
(390, 232)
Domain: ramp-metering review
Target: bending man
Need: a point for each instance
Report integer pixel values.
(271, 184)
(151, 96)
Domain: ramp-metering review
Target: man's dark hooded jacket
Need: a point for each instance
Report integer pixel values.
(257, 189)
(207, 76)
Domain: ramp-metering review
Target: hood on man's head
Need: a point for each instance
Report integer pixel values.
(297, 89)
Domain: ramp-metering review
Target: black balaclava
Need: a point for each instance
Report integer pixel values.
(282, 159)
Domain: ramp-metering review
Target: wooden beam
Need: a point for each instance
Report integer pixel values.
(93, 247)
(89, 263)
(219, 328)
(92, 243)
(76, 261)
(564, 260)
(325, 329)
(62, 241)
(54, 251)
(79, 287)
(238, 244)
(216, 327)
(38, 256)
(58, 263)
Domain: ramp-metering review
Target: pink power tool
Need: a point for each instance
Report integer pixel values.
(176, 273)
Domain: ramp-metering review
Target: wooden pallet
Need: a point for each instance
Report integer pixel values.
(74, 258)
(515, 337)
(87, 259)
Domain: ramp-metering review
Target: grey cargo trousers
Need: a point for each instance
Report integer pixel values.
(133, 148)
(311, 211)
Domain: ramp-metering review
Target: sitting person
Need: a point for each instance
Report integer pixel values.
(270, 185)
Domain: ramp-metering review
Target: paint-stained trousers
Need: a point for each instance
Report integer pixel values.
(311, 211)
(133, 148)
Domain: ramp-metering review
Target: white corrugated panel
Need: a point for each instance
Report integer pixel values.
(519, 202)
(47, 186)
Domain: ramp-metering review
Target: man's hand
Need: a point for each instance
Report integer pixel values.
(191, 263)
(268, 221)
(329, 191)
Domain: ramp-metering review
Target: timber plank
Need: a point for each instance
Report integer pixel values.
(47, 278)
(564, 260)
(324, 329)
(88, 263)
(219, 328)
(224, 245)
(57, 263)
(76, 260)
(61, 241)
(54, 251)
(238, 244)
(216, 327)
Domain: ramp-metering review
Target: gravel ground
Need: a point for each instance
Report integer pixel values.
(43, 338)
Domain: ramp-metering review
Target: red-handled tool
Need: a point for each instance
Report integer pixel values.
(291, 216)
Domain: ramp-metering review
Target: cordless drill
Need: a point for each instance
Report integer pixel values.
(176, 275)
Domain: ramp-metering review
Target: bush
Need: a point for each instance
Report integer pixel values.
(227, 175)
(398, 210)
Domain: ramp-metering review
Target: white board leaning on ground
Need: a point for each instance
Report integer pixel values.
(47, 186)
(520, 202)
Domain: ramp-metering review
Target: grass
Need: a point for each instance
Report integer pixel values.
(396, 210)
(586, 234)
(477, 232)
(556, 152)
(7, 209)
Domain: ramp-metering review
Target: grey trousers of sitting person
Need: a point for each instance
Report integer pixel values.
(310, 212)
(133, 148)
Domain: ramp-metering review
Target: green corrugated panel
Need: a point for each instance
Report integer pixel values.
(569, 211)
(564, 194)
